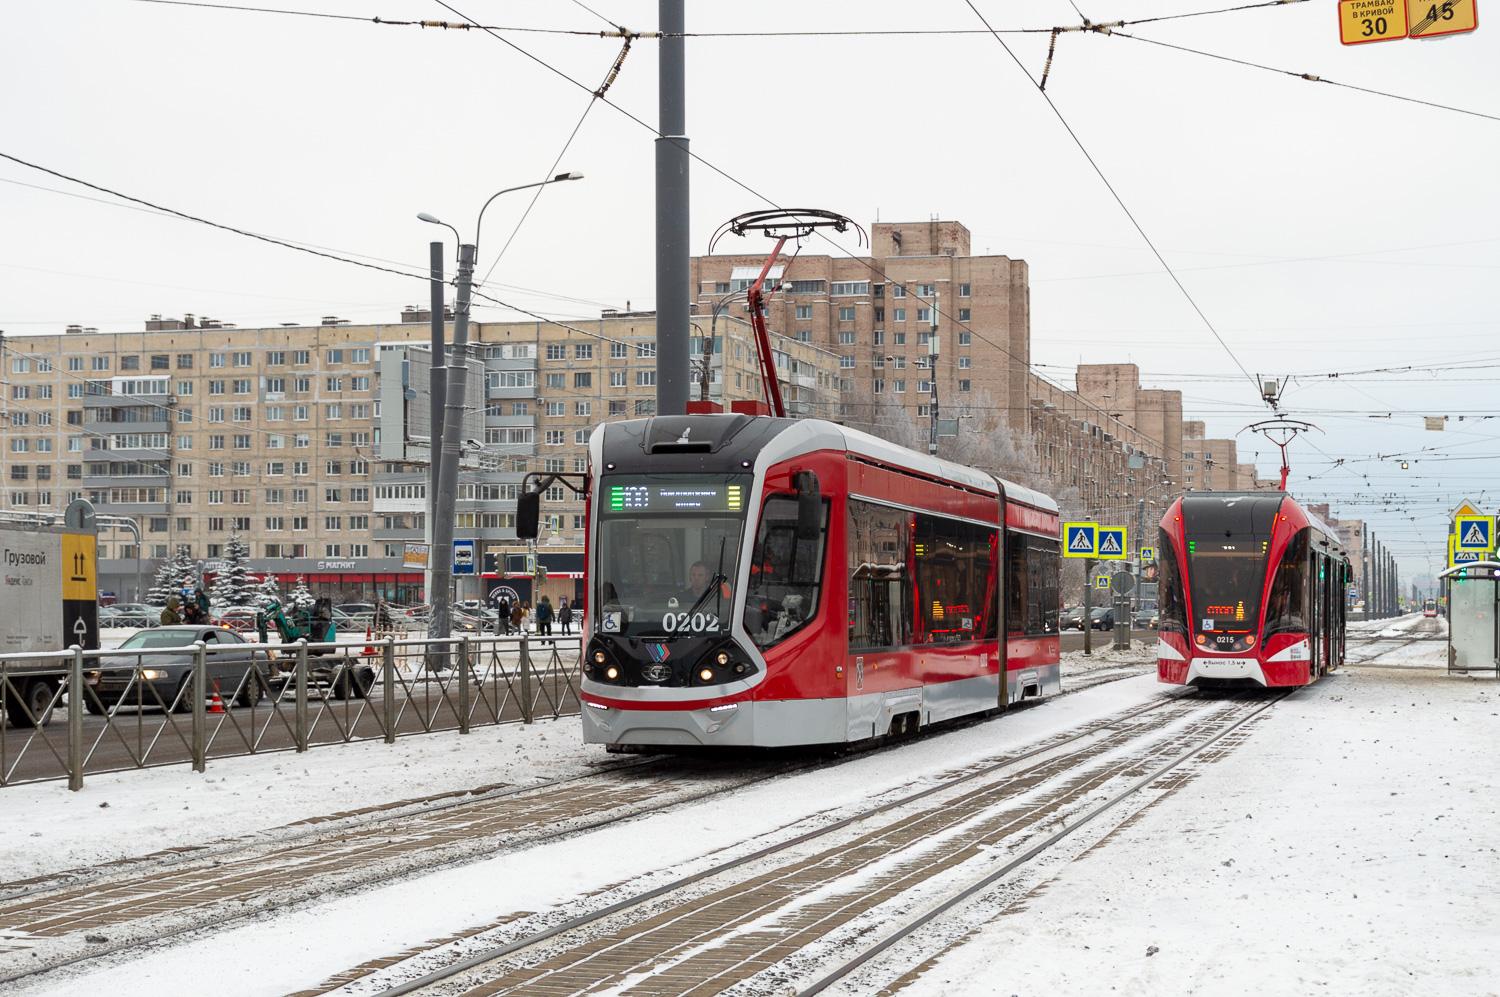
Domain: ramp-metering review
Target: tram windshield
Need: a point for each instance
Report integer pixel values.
(1227, 541)
(668, 549)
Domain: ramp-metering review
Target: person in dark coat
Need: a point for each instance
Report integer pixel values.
(544, 617)
(565, 616)
(503, 610)
(517, 614)
(200, 599)
(169, 616)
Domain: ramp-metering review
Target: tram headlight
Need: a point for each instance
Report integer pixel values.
(598, 657)
(706, 674)
(723, 658)
(611, 673)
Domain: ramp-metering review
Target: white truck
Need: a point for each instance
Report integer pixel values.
(48, 602)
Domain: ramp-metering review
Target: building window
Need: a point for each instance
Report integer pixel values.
(804, 311)
(898, 314)
(923, 387)
(617, 351)
(645, 378)
(900, 387)
(963, 315)
(583, 351)
(581, 436)
(617, 406)
(963, 339)
(804, 335)
(924, 315)
(556, 382)
(846, 314)
(645, 349)
(583, 379)
(963, 385)
(100, 363)
(846, 363)
(963, 290)
(645, 406)
(846, 339)
(557, 351)
(583, 408)
(880, 385)
(898, 290)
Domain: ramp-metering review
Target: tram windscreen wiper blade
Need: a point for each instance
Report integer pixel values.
(713, 586)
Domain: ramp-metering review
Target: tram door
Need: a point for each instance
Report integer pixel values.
(1314, 617)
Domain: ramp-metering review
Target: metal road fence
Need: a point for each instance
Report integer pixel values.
(153, 706)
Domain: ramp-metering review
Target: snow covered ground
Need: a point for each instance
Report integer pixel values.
(1346, 847)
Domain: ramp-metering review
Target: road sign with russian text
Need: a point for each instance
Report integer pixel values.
(463, 557)
(1079, 539)
(1364, 21)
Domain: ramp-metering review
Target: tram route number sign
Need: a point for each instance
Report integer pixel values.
(1080, 539)
(1111, 543)
(1474, 532)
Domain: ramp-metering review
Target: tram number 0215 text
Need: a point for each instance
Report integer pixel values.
(696, 623)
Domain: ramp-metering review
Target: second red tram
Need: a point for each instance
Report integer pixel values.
(1252, 589)
(763, 581)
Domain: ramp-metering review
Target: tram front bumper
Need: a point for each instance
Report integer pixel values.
(727, 724)
(1225, 669)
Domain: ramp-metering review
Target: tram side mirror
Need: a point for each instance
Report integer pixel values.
(528, 514)
(809, 506)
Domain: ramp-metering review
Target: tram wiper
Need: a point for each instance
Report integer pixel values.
(718, 579)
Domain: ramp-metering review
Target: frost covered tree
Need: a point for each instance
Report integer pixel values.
(302, 597)
(268, 591)
(232, 588)
(167, 583)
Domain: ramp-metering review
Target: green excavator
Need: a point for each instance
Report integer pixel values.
(315, 624)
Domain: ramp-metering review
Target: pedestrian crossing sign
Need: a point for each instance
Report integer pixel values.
(1474, 532)
(1111, 543)
(1457, 555)
(1079, 539)
(1101, 582)
(1148, 555)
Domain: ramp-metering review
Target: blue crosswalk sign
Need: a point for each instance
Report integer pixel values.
(1111, 543)
(1079, 539)
(1475, 532)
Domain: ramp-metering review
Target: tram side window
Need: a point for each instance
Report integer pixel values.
(786, 574)
(1171, 614)
(1286, 612)
(952, 560)
(1032, 569)
(880, 595)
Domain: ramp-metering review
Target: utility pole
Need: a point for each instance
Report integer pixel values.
(673, 377)
(1364, 563)
(436, 380)
(440, 556)
(933, 350)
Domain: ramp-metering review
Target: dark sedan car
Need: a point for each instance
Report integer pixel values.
(1102, 619)
(1072, 619)
(165, 678)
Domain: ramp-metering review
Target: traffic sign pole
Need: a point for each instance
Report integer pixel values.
(1088, 605)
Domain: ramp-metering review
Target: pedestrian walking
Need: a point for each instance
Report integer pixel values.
(544, 617)
(518, 616)
(504, 610)
(565, 616)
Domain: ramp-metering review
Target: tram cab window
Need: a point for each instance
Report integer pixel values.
(880, 594)
(1171, 613)
(786, 573)
(1285, 612)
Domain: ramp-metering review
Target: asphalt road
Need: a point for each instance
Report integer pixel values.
(1072, 640)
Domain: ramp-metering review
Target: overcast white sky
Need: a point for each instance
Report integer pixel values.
(1320, 229)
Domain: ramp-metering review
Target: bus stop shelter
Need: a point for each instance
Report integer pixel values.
(1473, 629)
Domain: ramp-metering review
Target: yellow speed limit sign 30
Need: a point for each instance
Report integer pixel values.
(1426, 19)
(1362, 21)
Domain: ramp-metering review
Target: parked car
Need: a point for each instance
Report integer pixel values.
(1072, 619)
(165, 679)
(357, 608)
(1102, 619)
(238, 620)
(1144, 619)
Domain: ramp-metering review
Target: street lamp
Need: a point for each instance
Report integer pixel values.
(440, 554)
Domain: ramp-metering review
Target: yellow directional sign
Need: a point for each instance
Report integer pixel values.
(1429, 19)
(1363, 21)
(79, 580)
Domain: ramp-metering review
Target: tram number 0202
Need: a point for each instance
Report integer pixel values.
(684, 623)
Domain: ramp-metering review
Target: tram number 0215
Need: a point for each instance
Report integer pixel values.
(696, 623)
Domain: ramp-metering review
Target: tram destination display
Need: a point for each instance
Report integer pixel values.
(709, 494)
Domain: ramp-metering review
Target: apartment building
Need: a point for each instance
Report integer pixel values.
(877, 313)
(196, 429)
(1211, 465)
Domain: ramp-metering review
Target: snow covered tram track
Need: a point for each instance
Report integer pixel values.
(61, 920)
(753, 922)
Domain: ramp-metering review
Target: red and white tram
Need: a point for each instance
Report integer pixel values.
(764, 581)
(1252, 588)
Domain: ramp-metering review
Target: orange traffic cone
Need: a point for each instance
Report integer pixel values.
(369, 648)
(217, 706)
